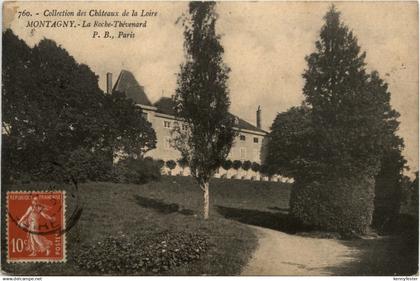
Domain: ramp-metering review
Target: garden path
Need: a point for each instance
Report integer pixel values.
(279, 253)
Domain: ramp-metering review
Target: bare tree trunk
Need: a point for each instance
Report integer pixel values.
(206, 199)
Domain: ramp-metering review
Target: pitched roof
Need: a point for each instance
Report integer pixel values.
(166, 105)
(242, 124)
(127, 83)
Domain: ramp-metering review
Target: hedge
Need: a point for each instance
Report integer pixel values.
(136, 171)
(343, 205)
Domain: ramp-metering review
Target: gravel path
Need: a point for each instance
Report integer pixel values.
(279, 253)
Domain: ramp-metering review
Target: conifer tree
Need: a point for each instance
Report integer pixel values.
(352, 125)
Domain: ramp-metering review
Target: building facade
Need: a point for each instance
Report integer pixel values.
(249, 144)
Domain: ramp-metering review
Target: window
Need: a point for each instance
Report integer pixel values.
(184, 127)
(167, 143)
(243, 153)
(255, 140)
(242, 137)
(166, 124)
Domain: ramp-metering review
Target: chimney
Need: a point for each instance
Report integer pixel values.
(259, 117)
(109, 83)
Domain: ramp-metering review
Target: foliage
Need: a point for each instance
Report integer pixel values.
(389, 185)
(53, 109)
(344, 132)
(415, 194)
(255, 167)
(246, 165)
(150, 254)
(128, 132)
(410, 202)
(264, 169)
(290, 146)
(171, 164)
(85, 165)
(346, 208)
(137, 171)
(148, 158)
(160, 163)
(350, 108)
(182, 162)
(237, 164)
(202, 98)
(227, 164)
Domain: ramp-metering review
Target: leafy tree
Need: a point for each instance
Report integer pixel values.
(170, 164)
(202, 98)
(160, 163)
(290, 143)
(237, 164)
(53, 109)
(390, 179)
(16, 79)
(264, 169)
(255, 167)
(148, 158)
(246, 165)
(415, 195)
(182, 162)
(227, 164)
(349, 125)
(127, 132)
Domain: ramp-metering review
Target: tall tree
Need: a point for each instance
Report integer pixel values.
(53, 107)
(350, 119)
(127, 133)
(16, 80)
(202, 98)
(389, 182)
(289, 143)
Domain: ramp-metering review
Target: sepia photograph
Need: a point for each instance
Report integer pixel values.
(244, 138)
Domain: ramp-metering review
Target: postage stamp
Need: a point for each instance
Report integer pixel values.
(36, 226)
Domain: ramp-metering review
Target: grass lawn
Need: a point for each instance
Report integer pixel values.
(174, 204)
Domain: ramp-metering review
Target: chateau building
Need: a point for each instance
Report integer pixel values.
(249, 144)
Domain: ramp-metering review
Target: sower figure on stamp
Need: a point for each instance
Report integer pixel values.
(37, 242)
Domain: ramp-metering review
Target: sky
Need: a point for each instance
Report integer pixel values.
(265, 46)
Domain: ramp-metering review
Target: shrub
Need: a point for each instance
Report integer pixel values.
(142, 254)
(148, 158)
(227, 164)
(80, 165)
(86, 165)
(344, 205)
(182, 162)
(138, 171)
(237, 164)
(160, 163)
(171, 164)
(255, 166)
(264, 169)
(246, 165)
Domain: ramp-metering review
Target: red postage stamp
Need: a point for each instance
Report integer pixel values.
(35, 226)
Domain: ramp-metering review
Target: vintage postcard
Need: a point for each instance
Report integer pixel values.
(209, 138)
